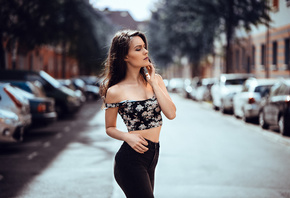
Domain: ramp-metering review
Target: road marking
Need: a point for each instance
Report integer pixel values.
(46, 144)
(32, 155)
(58, 136)
(66, 129)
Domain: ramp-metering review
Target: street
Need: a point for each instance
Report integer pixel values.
(204, 154)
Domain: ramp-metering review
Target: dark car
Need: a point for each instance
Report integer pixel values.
(91, 86)
(42, 108)
(276, 108)
(65, 99)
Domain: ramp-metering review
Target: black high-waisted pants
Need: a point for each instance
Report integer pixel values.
(134, 172)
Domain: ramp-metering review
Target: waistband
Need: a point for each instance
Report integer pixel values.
(152, 145)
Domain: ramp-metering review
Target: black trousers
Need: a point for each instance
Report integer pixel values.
(134, 172)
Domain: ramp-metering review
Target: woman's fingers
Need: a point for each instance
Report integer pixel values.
(140, 146)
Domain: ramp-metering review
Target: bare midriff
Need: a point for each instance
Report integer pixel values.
(149, 134)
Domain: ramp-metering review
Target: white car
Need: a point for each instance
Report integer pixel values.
(225, 88)
(247, 103)
(11, 128)
(12, 101)
(203, 91)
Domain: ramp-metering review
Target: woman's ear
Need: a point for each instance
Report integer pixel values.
(126, 58)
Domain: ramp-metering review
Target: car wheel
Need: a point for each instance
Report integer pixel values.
(284, 129)
(222, 108)
(245, 118)
(262, 122)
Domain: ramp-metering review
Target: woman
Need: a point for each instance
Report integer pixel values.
(139, 98)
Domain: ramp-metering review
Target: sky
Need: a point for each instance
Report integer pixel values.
(139, 9)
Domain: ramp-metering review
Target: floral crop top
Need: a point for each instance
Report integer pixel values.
(139, 114)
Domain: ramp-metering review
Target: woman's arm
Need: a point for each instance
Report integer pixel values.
(136, 141)
(167, 106)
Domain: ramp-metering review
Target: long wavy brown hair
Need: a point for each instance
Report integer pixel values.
(115, 65)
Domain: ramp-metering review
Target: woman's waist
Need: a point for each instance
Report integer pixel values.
(150, 134)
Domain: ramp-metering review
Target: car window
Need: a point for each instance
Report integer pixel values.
(283, 90)
(274, 90)
(235, 81)
(262, 88)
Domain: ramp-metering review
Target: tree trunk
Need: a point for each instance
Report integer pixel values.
(229, 36)
(2, 54)
(63, 60)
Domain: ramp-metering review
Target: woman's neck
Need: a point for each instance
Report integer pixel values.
(133, 75)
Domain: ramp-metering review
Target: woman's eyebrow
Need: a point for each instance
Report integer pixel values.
(139, 46)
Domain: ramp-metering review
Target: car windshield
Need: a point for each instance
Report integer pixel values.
(262, 88)
(235, 81)
(50, 79)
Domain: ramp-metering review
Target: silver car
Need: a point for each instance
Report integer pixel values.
(247, 103)
(11, 128)
(225, 88)
(11, 101)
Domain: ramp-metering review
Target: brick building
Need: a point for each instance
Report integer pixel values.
(263, 51)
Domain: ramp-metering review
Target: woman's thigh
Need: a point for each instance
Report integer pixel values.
(131, 173)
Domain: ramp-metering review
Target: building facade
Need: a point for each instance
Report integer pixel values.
(265, 50)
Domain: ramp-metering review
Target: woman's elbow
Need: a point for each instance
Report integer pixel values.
(171, 116)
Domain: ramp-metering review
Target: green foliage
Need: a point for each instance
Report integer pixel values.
(189, 27)
(73, 24)
(184, 28)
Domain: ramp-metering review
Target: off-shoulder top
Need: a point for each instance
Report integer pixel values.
(139, 114)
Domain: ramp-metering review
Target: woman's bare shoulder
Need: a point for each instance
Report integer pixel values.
(114, 94)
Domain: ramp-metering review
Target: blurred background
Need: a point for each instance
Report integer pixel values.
(188, 38)
(220, 60)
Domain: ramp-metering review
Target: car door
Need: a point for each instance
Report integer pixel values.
(269, 106)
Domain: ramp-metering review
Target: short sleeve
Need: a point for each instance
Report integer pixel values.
(111, 105)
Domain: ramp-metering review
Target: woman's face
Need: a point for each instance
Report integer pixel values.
(137, 55)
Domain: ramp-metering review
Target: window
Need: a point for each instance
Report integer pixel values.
(283, 90)
(275, 5)
(263, 53)
(253, 56)
(287, 52)
(274, 58)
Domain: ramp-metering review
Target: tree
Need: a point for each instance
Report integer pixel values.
(72, 24)
(184, 28)
(235, 14)
(189, 27)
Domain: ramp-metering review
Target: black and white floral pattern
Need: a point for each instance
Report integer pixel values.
(139, 115)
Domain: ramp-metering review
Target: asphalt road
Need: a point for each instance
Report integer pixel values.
(204, 154)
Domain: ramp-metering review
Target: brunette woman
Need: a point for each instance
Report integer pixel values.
(139, 98)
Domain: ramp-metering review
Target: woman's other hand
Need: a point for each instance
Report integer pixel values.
(150, 76)
(137, 142)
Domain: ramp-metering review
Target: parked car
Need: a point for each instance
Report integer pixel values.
(12, 101)
(66, 100)
(247, 103)
(176, 85)
(69, 84)
(192, 88)
(11, 128)
(203, 91)
(42, 108)
(275, 109)
(225, 88)
(92, 86)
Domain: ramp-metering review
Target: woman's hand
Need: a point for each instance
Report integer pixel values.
(137, 142)
(150, 76)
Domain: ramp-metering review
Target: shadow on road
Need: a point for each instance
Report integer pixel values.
(21, 162)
